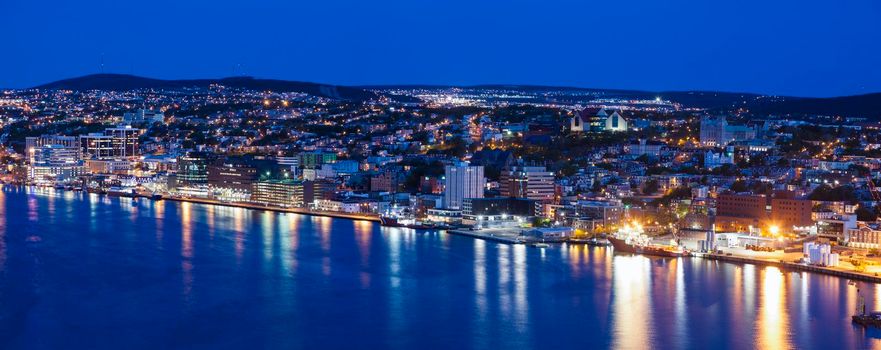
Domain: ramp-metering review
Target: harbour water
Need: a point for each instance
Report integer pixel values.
(83, 271)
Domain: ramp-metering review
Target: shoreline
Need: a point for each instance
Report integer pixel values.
(852, 275)
(300, 211)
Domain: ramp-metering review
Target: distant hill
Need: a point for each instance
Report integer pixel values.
(868, 105)
(121, 82)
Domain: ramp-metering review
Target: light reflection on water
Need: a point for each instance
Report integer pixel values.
(632, 303)
(2, 228)
(773, 323)
(194, 274)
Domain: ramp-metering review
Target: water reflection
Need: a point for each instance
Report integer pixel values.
(773, 321)
(632, 302)
(680, 305)
(186, 246)
(302, 279)
(239, 230)
(2, 228)
(363, 237)
(521, 305)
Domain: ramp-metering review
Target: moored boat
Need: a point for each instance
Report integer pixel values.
(630, 239)
(389, 221)
(621, 246)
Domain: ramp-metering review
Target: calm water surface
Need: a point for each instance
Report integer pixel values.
(80, 271)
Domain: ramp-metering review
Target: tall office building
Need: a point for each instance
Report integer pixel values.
(96, 146)
(462, 181)
(231, 176)
(532, 182)
(125, 140)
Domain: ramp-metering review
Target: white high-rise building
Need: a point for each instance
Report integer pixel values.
(462, 181)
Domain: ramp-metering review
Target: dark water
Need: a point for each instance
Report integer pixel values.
(88, 272)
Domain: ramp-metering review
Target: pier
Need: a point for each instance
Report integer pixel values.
(503, 236)
(794, 266)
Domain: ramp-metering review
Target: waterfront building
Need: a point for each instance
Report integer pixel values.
(443, 216)
(497, 212)
(319, 189)
(533, 182)
(232, 181)
(232, 176)
(867, 235)
(834, 227)
(740, 212)
(279, 193)
(53, 163)
(462, 181)
(790, 213)
(352, 206)
(550, 233)
(607, 213)
(192, 169)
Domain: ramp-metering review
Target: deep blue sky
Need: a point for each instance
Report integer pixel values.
(789, 47)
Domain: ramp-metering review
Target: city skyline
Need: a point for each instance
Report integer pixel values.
(440, 174)
(805, 49)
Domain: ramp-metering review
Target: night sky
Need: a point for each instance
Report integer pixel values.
(786, 47)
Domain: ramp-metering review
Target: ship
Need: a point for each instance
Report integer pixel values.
(394, 222)
(389, 221)
(630, 239)
(621, 246)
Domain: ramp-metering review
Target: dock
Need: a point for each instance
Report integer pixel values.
(301, 211)
(503, 236)
(797, 267)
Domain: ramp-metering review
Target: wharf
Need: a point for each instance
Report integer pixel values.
(852, 275)
(300, 211)
(503, 236)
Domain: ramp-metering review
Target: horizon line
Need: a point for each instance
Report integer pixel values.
(433, 85)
